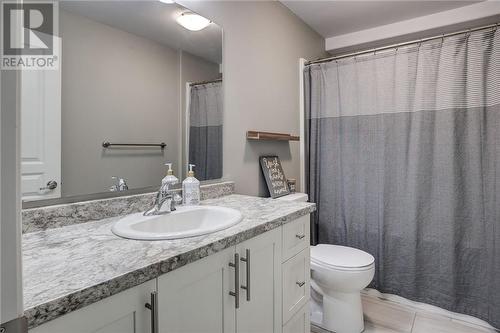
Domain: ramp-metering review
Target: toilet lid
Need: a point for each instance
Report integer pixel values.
(340, 256)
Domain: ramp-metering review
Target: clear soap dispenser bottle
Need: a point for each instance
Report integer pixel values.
(191, 188)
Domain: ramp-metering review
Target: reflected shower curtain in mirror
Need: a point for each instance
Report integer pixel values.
(403, 151)
(205, 130)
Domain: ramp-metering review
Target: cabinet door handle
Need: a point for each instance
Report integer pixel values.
(300, 283)
(236, 292)
(300, 236)
(153, 306)
(246, 287)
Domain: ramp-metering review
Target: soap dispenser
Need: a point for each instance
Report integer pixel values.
(191, 188)
(169, 178)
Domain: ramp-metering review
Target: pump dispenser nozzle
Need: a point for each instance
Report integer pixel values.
(170, 178)
(191, 172)
(169, 171)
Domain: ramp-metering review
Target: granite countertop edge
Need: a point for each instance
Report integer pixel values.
(52, 309)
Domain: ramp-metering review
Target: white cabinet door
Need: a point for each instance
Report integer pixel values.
(300, 322)
(262, 312)
(195, 298)
(122, 313)
(296, 283)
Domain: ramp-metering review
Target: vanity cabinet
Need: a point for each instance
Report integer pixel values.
(201, 297)
(195, 297)
(260, 281)
(121, 313)
(260, 285)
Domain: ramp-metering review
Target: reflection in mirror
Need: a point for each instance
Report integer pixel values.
(116, 111)
(205, 129)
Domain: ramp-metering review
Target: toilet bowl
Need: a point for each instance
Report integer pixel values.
(338, 274)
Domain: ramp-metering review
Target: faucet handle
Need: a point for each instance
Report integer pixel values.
(177, 198)
(120, 184)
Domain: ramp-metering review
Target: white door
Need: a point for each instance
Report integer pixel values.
(261, 312)
(195, 298)
(40, 134)
(124, 312)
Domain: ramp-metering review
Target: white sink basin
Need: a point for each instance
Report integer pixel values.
(186, 221)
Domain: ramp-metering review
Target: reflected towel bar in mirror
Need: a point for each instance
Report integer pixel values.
(107, 144)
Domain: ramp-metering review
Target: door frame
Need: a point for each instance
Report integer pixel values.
(10, 197)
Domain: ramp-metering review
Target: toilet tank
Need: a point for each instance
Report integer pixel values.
(298, 197)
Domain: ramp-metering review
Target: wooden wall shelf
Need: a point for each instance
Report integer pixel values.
(258, 135)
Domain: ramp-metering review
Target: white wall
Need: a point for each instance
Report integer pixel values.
(263, 42)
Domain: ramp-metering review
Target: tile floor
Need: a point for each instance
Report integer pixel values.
(388, 317)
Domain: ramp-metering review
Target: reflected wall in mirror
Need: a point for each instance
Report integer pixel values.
(126, 77)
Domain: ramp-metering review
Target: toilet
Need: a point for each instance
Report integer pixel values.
(338, 274)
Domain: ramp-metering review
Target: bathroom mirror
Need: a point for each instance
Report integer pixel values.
(139, 85)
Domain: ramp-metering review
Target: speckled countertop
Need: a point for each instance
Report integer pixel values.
(70, 267)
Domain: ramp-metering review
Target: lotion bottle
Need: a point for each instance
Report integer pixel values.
(191, 188)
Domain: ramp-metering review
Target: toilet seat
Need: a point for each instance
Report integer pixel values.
(336, 257)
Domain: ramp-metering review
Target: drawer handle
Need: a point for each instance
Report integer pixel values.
(247, 261)
(300, 236)
(153, 306)
(300, 284)
(236, 292)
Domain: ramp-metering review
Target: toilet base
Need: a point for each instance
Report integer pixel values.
(342, 313)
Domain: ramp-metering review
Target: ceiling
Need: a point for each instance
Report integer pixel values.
(155, 21)
(333, 18)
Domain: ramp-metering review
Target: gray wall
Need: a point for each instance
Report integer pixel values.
(118, 87)
(193, 69)
(263, 42)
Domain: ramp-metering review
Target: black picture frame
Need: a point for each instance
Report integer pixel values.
(274, 176)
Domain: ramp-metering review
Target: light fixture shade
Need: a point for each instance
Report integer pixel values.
(167, 1)
(192, 21)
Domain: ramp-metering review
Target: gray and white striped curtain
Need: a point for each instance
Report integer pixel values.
(404, 163)
(205, 130)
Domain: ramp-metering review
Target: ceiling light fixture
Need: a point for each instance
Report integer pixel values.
(167, 1)
(192, 21)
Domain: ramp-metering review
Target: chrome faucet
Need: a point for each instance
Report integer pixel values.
(165, 195)
(121, 185)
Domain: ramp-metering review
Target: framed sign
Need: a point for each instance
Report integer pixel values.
(274, 175)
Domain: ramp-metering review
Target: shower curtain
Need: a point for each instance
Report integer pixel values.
(404, 163)
(205, 130)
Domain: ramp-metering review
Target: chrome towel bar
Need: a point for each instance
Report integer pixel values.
(107, 144)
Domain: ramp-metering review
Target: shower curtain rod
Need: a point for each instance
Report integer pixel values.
(204, 82)
(417, 41)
